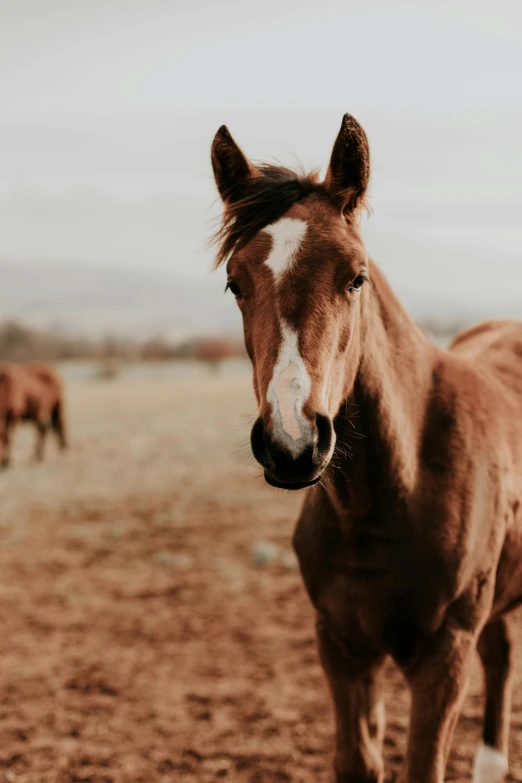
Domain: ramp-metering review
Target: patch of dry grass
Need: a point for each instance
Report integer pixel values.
(155, 625)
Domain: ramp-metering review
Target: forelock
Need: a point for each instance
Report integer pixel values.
(269, 198)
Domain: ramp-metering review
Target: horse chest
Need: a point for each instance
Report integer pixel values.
(374, 586)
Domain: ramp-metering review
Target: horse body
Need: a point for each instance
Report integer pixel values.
(30, 393)
(412, 518)
(401, 564)
(410, 535)
(496, 347)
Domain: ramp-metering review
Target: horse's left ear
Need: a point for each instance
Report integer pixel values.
(232, 169)
(349, 170)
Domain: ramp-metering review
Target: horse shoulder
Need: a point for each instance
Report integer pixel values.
(44, 386)
(45, 374)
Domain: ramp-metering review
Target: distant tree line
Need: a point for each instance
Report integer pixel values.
(21, 343)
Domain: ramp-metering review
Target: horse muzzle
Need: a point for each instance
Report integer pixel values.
(296, 464)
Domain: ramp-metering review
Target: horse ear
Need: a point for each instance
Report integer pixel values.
(232, 170)
(349, 170)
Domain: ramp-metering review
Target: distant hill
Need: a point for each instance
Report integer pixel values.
(438, 285)
(95, 300)
(443, 282)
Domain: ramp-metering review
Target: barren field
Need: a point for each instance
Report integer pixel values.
(154, 627)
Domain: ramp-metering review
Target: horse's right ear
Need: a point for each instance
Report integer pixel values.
(232, 170)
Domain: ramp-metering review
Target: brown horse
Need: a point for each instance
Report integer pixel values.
(410, 536)
(30, 392)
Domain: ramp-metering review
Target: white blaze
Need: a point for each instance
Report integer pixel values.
(491, 766)
(288, 390)
(287, 235)
(290, 385)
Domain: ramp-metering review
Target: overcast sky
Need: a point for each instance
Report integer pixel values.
(109, 108)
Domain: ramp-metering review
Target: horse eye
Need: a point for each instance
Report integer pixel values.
(357, 284)
(232, 286)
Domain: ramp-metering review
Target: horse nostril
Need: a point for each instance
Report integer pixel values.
(324, 437)
(258, 442)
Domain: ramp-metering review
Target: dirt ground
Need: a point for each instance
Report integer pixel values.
(154, 627)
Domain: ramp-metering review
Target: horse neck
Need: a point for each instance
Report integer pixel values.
(391, 392)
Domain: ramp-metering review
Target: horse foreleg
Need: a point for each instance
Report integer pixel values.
(438, 681)
(42, 426)
(359, 711)
(58, 425)
(5, 443)
(495, 647)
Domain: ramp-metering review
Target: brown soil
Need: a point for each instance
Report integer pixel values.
(150, 631)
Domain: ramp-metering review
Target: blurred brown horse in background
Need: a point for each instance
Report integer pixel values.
(33, 393)
(410, 536)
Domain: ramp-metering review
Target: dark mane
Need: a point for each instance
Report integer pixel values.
(269, 197)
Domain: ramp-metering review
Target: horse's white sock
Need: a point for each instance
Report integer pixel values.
(490, 765)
